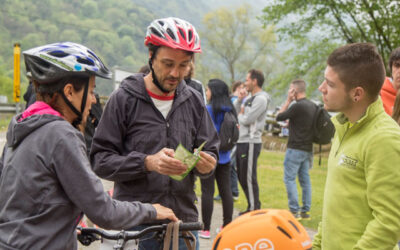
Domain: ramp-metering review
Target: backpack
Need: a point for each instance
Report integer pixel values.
(322, 126)
(229, 131)
(323, 129)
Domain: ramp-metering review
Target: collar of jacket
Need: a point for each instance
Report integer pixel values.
(135, 86)
(340, 120)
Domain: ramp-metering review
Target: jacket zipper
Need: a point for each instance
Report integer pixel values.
(340, 144)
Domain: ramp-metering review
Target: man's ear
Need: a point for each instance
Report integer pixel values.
(358, 93)
(68, 91)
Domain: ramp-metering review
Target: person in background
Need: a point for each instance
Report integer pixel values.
(361, 208)
(218, 103)
(396, 108)
(251, 115)
(30, 95)
(46, 182)
(298, 157)
(237, 87)
(193, 83)
(391, 85)
(92, 121)
(146, 119)
(145, 69)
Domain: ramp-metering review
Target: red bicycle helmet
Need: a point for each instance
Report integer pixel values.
(272, 229)
(174, 33)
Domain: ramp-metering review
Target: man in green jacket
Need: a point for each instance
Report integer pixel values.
(362, 194)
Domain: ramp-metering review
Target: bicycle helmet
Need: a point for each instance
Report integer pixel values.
(49, 64)
(52, 62)
(272, 229)
(174, 33)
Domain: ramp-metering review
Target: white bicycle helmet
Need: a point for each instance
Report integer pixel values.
(174, 33)
(49, 63)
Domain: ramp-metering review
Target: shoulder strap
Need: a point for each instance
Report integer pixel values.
(172, 233)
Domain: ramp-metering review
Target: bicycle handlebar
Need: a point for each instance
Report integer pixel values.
(127, 235)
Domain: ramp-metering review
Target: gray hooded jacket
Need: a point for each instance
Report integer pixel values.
(46, 182)
(252, 121)
(131, 128)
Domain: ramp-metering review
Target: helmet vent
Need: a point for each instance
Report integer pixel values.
(171, 34)
(154, 31)
(295, 227)
(161, 23)
(190, 35)
(86, 61)
(182, 33)
(284, 232)
(58, 53)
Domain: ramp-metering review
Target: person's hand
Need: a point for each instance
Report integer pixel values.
(164, 213)
(164, 163)
(291, 95)
(242, 94)
(206, 163)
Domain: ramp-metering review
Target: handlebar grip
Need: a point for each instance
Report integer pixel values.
(191, 226)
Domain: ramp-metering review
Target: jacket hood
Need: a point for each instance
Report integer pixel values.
(17, 131)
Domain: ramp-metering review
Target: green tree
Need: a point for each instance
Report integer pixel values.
(316, 27)
(239, 41)
(6, 86)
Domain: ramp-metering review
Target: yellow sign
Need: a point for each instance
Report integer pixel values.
(17, 72)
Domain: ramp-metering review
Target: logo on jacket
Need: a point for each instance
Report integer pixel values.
(348, 162)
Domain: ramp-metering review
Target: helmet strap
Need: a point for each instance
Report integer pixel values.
(77, 120)
(155, 80)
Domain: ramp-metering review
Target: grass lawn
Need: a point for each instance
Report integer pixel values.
(273, 191)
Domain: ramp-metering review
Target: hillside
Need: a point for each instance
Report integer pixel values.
(114, 29)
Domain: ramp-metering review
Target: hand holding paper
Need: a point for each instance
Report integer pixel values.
(189, 159)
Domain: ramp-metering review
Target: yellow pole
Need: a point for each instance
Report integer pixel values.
(17, 71)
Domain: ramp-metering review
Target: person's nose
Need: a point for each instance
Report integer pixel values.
(321, 87)
(175, 72)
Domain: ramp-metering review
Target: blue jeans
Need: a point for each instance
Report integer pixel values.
(298, 162)
(148, 242)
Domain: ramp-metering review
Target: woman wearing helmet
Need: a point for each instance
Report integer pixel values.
(46, 182)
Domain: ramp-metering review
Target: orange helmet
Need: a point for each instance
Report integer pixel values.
(269, 229)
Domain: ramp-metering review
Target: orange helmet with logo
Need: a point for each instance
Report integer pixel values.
(268, 229)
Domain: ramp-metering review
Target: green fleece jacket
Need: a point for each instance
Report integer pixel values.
(361, 207)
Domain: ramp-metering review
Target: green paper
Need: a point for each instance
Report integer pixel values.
(185, 156)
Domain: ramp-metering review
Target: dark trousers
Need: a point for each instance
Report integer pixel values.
(246, 163)
(234, 178)
(222, 176)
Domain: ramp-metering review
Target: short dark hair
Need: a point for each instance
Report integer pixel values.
(359, 65)
(394, 56)
(258, 75)
(300, 85)
(235, 85)
(145, 69)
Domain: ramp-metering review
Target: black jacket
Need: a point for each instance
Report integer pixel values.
(132, 128)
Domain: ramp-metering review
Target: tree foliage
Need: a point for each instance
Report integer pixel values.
(113, 29)
(237, 40)
(316, 27)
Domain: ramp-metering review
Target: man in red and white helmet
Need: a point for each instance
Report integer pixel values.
(147, 118)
